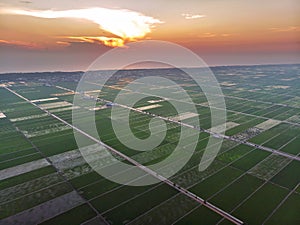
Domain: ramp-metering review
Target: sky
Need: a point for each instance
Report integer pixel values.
(43, 35)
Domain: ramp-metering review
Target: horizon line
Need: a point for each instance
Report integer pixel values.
(149, 68)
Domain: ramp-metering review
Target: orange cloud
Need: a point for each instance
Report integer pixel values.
(125, 24)
(285, 29)
(23, 44)
(214, 35)
(63, 43)
(112, 42)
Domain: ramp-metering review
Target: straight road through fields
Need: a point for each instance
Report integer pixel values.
(142, 167)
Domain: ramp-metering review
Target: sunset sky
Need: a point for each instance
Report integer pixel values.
(42, 35)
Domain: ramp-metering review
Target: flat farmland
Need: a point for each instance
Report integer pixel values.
(254, 177)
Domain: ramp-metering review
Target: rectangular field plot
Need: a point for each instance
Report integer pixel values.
(14, 143)
(269, 167)
(287, 213)
(255, 210)
(24, 177)
(185, 116)
(33, 199)
(44, 100)
(267, 124)
(58, 142)
(288, 177)
(38, 90)
(200, 215)
(212, 184)
(28, 200)
(28, 117)
(71, 216)
(24, 168)
(128, 195)
(233, 194)
(46, 210)
(273, 132)
(282, 140)
(180, 205)
(16, 155)
(20, 160)
(244, 127)
(55, 105)
(36, 184)
(224, 127)
(235, 153)
(127, 210)
(251, 159)
(292, 146)
(11, 139)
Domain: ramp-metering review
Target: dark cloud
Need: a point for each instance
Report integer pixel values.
(26, 2)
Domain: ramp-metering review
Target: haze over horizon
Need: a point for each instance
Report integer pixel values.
(146, 67)
(70, 35)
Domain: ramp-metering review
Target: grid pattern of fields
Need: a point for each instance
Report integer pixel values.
(45, 180)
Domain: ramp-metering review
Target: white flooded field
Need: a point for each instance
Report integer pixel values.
(55, 105)
(184, 116)
(149, 107)
(44, 100)
(268, 124)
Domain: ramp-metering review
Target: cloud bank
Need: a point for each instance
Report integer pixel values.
(125, 24)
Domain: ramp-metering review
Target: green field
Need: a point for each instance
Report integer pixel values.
(41, 166)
